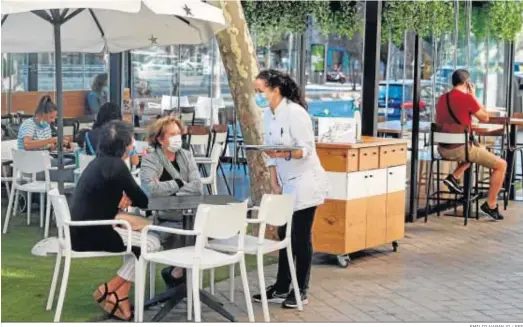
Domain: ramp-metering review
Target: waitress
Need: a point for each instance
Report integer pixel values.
(297, 172)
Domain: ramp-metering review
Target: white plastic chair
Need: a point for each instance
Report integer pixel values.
(32, 162)
(7, 154)
(170, 102)
(275, 210)
(214, 160)
(205, 105)
(83, 161)
(218, 222)
(63, 222)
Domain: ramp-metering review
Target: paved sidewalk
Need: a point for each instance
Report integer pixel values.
(443, 272)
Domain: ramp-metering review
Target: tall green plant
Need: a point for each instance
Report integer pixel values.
(506, 18)
(337, 17)
(423, 17)
(271, 19)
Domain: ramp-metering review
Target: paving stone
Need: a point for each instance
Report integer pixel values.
(444, 272)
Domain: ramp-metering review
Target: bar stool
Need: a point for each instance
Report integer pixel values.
(456, 135)
(499, 149)
(517, 148)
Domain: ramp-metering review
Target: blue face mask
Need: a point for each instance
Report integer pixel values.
(261, 100)
(41, 124)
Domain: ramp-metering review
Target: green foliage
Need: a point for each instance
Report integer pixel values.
(337, 17)
(506, 18)
(423, 17)
(271, 19)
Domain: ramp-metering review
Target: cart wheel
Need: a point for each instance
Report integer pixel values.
(395, 246)
(343, 260)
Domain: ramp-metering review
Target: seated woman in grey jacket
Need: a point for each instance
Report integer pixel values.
(169, 170)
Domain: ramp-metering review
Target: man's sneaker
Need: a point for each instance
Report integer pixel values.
(493, 213)
(453, 184)
(290, 301)
(273, 296)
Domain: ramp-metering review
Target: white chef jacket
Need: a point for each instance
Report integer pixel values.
(305, 178)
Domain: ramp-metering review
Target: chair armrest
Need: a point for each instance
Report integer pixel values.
(112, 222)
(176, 231)
(254, 209)
(254, 221)
(65, 167)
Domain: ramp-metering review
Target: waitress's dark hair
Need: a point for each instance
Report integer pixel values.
(45, 105)
(288, 87)
(108, 111)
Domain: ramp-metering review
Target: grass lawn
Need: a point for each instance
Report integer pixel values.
(26, 278)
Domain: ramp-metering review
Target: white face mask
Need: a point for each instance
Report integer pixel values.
(175, 143)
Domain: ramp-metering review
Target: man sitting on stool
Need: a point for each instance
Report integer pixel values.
(457, 107)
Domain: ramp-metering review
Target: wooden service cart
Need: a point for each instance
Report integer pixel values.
(366, 202)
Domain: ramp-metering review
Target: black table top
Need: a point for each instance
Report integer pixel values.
(6, 162)
(188, 202)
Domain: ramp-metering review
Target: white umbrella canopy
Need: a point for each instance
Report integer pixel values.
(97, 25)
(112, 25)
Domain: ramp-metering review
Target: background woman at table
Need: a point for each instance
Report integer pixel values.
(109, 111)
(297, 172)
(97, 96)
(35, 134)
(105, 187)
(169, 170)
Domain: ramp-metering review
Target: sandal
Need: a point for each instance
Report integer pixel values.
(116, 312)
(99, 296)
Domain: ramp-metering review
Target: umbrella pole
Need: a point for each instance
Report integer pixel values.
(59, 102)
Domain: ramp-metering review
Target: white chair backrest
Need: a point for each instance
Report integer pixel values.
(85, 126)
(203, 107)
(187, 118)
(449, 138)
(62, 214)
(221, 221)
(215, 159)
(31, 162)
(171, 102)
(277, 209)
(216, 153)
(84, 160)
(7, 149)
(68, 130)
(220, 137)
(200, 140)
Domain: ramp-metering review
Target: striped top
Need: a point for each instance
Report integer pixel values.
(32, 128)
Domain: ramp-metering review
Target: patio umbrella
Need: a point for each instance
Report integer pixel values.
(102, 25)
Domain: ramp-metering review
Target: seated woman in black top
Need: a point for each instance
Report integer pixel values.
(105, 187)
(108, 111)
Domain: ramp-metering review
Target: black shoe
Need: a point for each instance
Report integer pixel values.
(493, 213)
(273, 296)
(290, 302)
(168, 278)
(453, 184)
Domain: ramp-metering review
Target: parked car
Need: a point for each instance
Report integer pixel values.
(396, 91)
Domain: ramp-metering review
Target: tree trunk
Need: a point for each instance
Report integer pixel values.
(239, 59)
